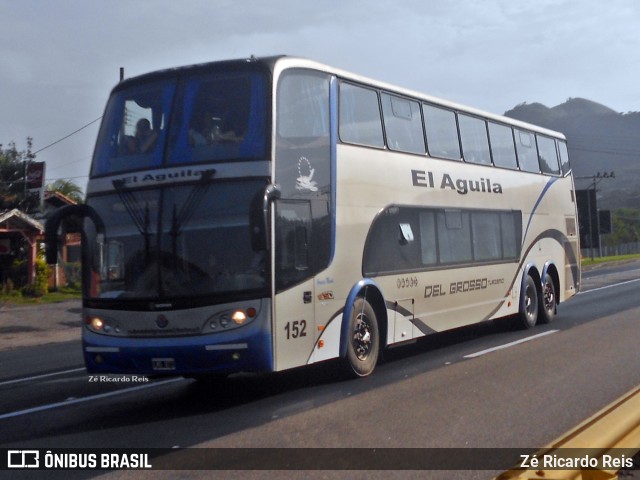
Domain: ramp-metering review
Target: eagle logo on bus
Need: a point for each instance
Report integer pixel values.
(162, 321)
(306, 182)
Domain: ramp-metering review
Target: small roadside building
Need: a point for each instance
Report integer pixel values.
(67, 270)
(19, 236)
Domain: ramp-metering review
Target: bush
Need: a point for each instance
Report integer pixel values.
(41, 285)
(8, 287)
(18, 272)
(72, 271)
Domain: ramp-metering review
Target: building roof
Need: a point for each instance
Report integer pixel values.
(57, 199)
(15, 220)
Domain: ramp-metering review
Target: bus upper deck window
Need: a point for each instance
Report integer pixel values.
(133, 129)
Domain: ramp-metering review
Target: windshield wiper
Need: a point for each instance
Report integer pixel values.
(197, 193)
(139, 215)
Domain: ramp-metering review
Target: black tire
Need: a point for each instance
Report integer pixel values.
(548, 301)
(529, 305)
(363, 341)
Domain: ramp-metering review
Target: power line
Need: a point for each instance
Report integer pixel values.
(54, 167)
(624, 153)
(68, 178)
(67, 136)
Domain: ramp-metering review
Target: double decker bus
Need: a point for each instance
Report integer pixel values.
(265, 214)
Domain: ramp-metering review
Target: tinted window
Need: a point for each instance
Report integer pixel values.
(174, 242)
(221, 117)
(387, 249)
(403, 124)
(454, 236)
(133, 129)
(303, 105)
(293, 241)
(548, 155)
(502, 147)
(511, 226)
(527, 154)
(428, 238)
(202, 118)
(360, 116)
(303, 172)
(475, 144)
(564, 157)
(486, 238)
(442, 132)
(404, 239)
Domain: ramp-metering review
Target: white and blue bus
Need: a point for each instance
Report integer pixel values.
(264, 214)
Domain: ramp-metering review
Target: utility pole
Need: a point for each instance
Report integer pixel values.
(595, 179)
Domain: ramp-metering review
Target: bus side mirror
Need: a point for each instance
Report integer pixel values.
(259, 216)
(53, 223)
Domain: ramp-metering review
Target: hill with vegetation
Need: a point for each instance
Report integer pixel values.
(600, 140)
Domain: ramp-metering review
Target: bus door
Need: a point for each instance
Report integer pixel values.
(303, 225)
(294, 320)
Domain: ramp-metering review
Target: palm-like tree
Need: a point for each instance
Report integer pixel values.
(67, 188)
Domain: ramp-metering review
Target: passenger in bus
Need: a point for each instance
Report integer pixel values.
(206, 128)
(144, 139)
(201, 131)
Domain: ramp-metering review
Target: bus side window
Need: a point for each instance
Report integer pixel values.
(503, 149)
(564, 157)
(475, 143)
(360, 121)
(527, 154)
(454, 236)
(442, 132)
(548, 155)
(293, 236)
(487, 241)
(303, 172)
(403, 124)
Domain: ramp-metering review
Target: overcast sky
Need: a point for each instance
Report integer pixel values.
(60, 58)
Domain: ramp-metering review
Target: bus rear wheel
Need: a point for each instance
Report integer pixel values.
(528, 316)
(548, 300)
(363, 342)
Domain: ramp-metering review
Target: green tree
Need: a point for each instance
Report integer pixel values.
(67, 188)
(13, 193)
(626, 226)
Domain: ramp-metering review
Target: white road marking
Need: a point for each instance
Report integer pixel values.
(511, 344)
(533, 337)
(38, 377)
(608, 286)
(74, 401)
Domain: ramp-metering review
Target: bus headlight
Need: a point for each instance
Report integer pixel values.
(99, 324)
(231, 319)
(239, 317)
(96, 323)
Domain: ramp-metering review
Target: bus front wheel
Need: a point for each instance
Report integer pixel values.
(363, 342)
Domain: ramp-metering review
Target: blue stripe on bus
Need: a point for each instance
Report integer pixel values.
(333, 108)
(361, 286)
(535, 207)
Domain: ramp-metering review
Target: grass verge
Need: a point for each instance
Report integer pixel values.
(620, 258)
(16, 297)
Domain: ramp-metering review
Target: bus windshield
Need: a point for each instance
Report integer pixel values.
(176, 242)
(217, 117)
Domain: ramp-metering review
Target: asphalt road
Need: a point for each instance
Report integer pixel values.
(482, 387)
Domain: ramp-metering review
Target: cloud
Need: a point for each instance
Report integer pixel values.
(59, 60)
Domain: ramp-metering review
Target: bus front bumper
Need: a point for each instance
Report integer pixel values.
(222, 353)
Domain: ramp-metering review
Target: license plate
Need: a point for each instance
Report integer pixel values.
(163, 363)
